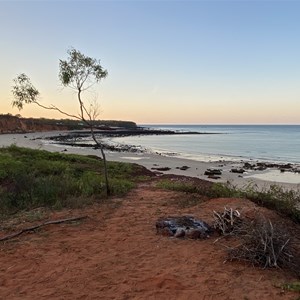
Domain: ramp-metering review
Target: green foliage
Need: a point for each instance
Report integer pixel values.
(121, 186)
(34, 178)
(286, 202)
(79, 70)
(219, 190)
(23, 91)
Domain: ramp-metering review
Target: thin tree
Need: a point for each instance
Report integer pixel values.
(78, 72)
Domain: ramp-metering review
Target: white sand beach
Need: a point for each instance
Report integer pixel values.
(262, 179)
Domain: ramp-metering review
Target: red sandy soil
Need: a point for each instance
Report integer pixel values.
(116, 254)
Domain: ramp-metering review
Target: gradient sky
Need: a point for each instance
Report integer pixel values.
(168, 61)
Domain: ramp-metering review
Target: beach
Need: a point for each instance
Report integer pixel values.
(163, 164)
(116, 252)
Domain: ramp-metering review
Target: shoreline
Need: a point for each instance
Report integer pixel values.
(162, 164)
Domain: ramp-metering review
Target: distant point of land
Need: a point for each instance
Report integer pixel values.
(17, 124)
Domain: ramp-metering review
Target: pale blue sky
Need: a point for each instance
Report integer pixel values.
(168, 61)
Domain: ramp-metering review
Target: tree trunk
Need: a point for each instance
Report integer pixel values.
(104, 160)
(105, 171)
(90, 124)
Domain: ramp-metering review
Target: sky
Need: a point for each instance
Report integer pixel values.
(168, 62)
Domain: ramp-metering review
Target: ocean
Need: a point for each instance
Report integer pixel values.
(274, 143)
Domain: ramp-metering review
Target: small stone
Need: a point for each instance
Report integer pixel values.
(166, 232)
(180, 232)
(193, 234)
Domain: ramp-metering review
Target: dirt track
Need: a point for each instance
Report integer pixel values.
(116, 254)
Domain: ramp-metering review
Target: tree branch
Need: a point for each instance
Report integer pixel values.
(52, 107)
(10, 236)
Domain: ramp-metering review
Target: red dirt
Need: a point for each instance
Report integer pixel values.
(116, 254)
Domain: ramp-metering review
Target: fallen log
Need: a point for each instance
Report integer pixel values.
(10, 236)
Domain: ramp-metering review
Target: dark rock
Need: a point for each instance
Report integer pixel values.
(239, 171)
(162, 169)
(211, 172)
(260, 168)
(183, 168)
(214, 177)
(287, 166)
(248, 166)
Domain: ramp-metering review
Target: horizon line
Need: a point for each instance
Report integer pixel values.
(218, 124)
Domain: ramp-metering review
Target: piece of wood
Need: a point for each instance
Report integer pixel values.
(10, 236)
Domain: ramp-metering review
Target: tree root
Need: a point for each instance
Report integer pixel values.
(10, 236)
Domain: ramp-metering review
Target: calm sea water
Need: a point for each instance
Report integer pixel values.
(279, 143)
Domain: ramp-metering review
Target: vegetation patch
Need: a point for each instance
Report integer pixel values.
(293, 286)
(34, 178)
(285, 202)
(178, 186)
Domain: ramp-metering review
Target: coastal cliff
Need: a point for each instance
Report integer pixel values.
(15, 124)
(12, 124)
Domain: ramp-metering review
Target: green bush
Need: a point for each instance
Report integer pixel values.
(121, 186)
(277, 198)
(224, 190)
(91, 183)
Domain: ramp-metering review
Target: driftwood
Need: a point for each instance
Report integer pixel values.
(10, 236)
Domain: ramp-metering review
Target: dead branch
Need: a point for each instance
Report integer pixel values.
(10, 236)
(226, 222)
(265, 244)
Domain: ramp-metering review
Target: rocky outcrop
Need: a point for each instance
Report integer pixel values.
(262, 166)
